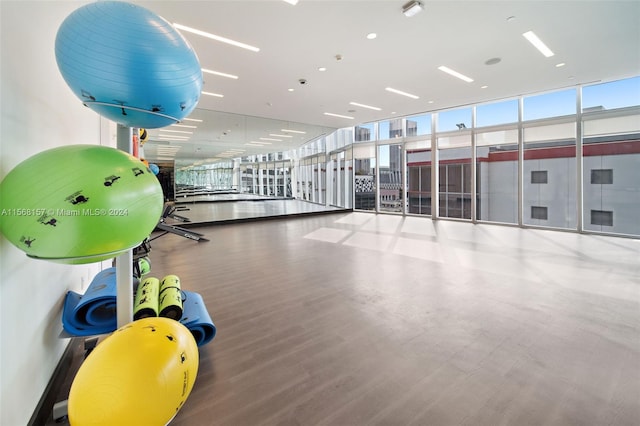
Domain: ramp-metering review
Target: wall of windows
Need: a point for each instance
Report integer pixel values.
(566, 159)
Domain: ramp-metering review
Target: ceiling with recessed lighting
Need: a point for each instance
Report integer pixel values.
(351, 77)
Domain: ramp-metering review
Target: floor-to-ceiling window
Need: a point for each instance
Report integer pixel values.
(364, 164)
(549, 167)
(496, 136)
(418, 164)
(391, 191)
(611, 157)
(564, 159)
(454, 163)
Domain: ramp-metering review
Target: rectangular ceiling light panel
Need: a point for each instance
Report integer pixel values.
(538, 44)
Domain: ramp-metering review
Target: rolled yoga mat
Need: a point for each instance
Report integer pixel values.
(145, 303)
(170, 304)
(196, 318)
(95, 311)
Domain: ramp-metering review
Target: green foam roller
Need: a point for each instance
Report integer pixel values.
(145, 303)
(145, 265)
(170, 303)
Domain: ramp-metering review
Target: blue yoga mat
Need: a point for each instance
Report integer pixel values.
(196, 318)
(95, 311)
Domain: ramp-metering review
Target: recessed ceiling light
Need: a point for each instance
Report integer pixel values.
(216, 37)
(221, 74)
(293, 131)
(338, 115)
(365, 106)
(322, 69)
(455, 74)
(561, 64)
(280, 136)
(291, 2)
(484, 87)
(537, 43)
(430, 102)
(217, 95)
(192, 119)
(291, 90)
(400, 92)
(372, 36)
(270, 139)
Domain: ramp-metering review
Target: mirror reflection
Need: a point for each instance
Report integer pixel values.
(217, 166)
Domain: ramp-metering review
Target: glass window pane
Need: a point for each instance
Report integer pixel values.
(390, 169)
(390, 129)
(497, 113)
(615, 94)
(456, 119)
(550, 149)
(365, 177)
(611, 179)
(497, 182)
(451, 141)
(499, 137)
(418, 125)
(419, 181)
(364, 132)
(455, 183)
(549, 105)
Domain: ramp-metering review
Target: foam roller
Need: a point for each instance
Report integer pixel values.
(145, 303)
(170, 304)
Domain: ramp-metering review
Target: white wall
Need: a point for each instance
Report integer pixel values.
(38, 112)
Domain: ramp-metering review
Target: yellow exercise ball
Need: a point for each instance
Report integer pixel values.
(140, 375)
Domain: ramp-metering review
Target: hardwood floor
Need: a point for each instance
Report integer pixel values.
(362, 319)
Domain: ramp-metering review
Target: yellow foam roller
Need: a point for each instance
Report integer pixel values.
(170, 298)
(145, 303)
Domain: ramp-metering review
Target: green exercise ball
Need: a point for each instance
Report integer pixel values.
(79, 204)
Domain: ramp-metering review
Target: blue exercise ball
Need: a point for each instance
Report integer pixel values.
(128, 64)
(154, 169)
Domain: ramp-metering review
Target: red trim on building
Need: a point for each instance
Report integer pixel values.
(589, 150)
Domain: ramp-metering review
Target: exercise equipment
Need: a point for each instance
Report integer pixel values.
(169, 211)
(146, 302)
(154, 168)
(140, 375)
(128, 64)
(144, 265)
(196, 318)
(79, 204)
(94, 312)
(170, 303)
